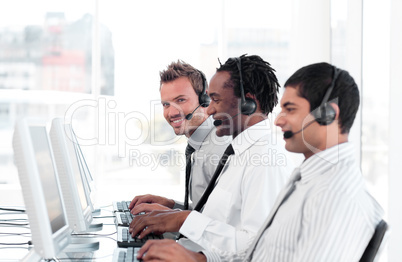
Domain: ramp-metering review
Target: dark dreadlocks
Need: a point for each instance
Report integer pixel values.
(258, 79)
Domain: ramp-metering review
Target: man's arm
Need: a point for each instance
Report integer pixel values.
(168, 250)
(334, 230)
(251, 205)
(158, 221)
(161, 202)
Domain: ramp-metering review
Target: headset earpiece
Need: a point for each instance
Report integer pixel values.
(203, 97)
(325, 114)
(247, 105)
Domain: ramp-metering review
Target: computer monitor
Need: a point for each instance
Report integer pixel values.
(40, 187)
(79, 213)
(87, 179)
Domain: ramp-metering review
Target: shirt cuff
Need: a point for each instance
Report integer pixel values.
(211, 256)
(194, 226)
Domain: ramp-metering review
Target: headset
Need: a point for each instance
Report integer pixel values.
(325, 114)
(247, 104)
(203, 97)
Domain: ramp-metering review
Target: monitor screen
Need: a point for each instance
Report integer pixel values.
(85, 172)
(79, 212)
(47, 176)
(76, 169)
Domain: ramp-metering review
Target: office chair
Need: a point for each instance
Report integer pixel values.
(375, 242)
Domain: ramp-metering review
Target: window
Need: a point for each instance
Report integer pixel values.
(46, 65)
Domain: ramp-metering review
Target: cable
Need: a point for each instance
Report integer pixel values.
(16, 234)
(14, 219)
(92, 234)
(12, 209)
(106, 206)
(96, 235)
(15, 244)
(83, 259)
(11, 213)
(103, 216)
(14, 224)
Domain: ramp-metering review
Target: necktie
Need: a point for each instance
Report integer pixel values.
(229, 151)
(285, 193)
(189, 151)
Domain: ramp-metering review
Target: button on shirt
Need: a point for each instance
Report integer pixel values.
(242, 198)
(208, 150)
(329, 217)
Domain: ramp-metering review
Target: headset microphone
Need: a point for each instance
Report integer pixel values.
(220, 122)
(289, 134)
(189, 116)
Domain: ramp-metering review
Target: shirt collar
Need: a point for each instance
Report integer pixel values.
(199, 135)
(323, 161)
(251, 135)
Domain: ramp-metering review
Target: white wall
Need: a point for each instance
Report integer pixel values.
(395, 127)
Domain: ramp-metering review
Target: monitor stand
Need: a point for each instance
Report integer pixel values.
(96, 212)
(78, 245)
(95, 227)
(81, 244)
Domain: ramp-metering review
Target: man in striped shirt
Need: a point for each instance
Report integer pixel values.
(325, 212)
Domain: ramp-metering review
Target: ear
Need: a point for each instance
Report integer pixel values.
(337, 110)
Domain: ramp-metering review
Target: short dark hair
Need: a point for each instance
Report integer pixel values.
(182, 69)
(258, 79)
(313, 81)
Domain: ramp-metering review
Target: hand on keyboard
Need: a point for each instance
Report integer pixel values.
(146, 208)
(158, 222)
(169, 251)
(151, 199)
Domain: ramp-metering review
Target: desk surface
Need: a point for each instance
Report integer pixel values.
(21, 234)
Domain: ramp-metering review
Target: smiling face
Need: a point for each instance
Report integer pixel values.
(224, 105)
(295, 115)
(179, 99)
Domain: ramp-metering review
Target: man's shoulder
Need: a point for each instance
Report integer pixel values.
(343, 180)
(214, 142)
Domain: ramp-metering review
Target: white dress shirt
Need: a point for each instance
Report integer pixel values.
(242, 198)
(208, 150)
(329, 217)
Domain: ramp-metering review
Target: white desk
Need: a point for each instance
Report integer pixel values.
(106, 237)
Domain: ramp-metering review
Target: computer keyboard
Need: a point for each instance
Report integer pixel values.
(124, 238)
(126, 254)
(121, 206)
(123, 218)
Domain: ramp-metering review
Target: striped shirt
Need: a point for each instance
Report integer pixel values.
(329, 217)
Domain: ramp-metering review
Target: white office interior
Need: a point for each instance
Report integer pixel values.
(96, 63)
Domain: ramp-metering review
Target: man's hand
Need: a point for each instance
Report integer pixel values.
(168, 250)
(158, 222)
(151, 199)
(146, 208)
